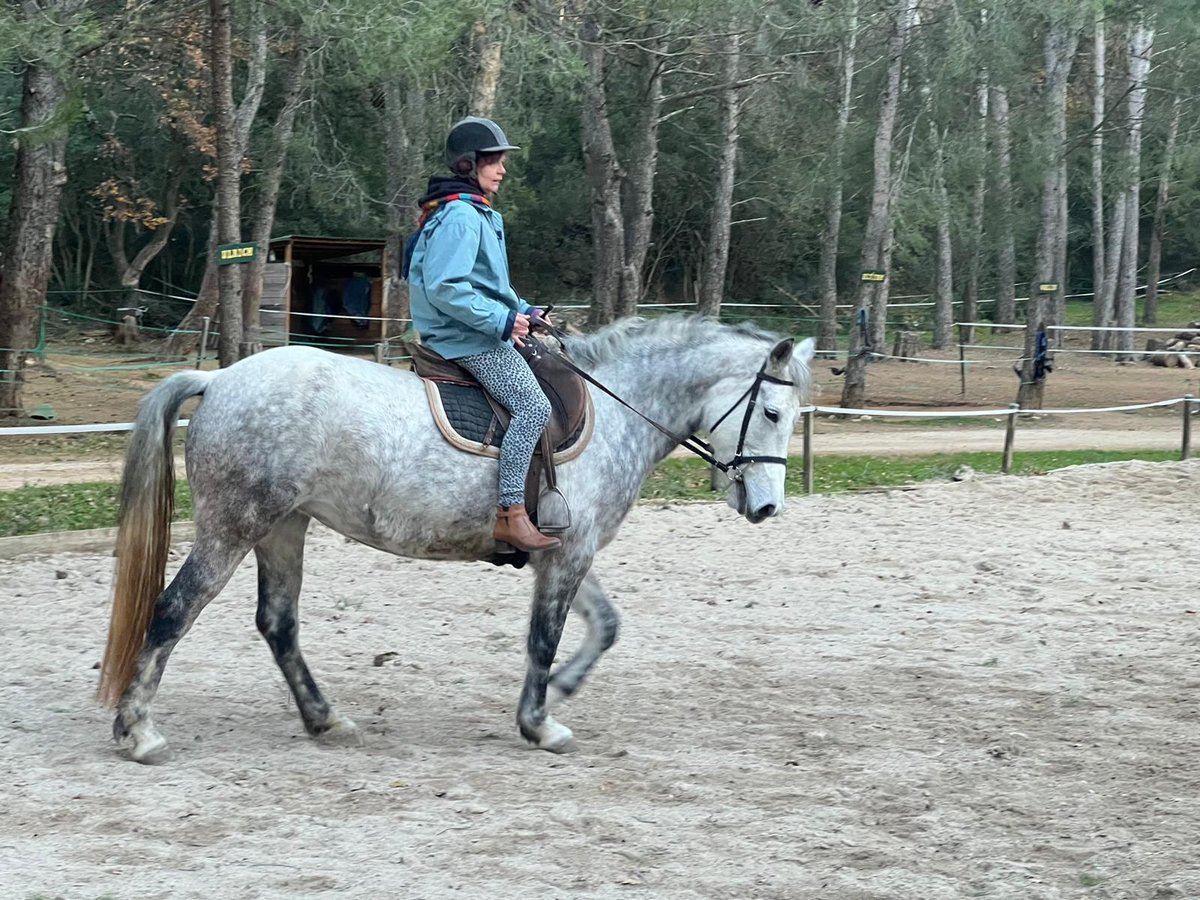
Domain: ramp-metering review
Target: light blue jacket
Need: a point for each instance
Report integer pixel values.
(462, 301)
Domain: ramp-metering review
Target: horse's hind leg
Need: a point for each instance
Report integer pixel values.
(603, 623)
(280, 564)
(202, 576)
(553, 592)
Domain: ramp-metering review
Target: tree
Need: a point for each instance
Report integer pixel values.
(274, 160)
(1006, 245)
(1141, 40)
(878, 223)
(40, 175)
(1101, 299)
(827, 329)
(1062, 38)
(716, 259)
(1162, 195)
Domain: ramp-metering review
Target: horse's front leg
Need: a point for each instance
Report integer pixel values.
(603, 622)
(558, 580)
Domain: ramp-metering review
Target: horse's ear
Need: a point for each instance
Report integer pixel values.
(781, 353)
(805, 351)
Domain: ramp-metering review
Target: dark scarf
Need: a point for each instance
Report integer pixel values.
(440, 189)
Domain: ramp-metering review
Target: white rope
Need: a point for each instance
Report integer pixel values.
(1103, 409)
(24, 431)
(944, 362)
(913, 413)
(74, 429)
(1133, 352)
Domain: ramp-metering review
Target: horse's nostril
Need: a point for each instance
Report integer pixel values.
(767, 511)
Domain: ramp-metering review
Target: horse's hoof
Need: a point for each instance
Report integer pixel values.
(554, 695)
(342, 733)
(151, 753)
(556, 738)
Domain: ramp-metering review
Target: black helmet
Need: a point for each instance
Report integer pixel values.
(473, 135)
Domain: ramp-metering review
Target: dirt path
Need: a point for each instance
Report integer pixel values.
(964, 690)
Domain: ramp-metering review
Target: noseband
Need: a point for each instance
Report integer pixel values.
(734, 468)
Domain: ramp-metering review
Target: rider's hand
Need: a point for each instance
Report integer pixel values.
(520, 329)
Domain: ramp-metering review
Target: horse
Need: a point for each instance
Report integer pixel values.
(295, 433)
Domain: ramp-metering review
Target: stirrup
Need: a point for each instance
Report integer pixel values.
(553, 512)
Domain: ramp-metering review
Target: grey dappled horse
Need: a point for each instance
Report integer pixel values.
(297, 433)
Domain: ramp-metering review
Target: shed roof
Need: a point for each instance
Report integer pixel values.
(326, 247)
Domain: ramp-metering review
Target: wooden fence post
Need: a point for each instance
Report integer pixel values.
(808, 453)
(1009, 436)
(205, 322)
(962, 360)
(1185, 451)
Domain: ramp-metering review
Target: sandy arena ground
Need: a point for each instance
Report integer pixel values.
(985, 689)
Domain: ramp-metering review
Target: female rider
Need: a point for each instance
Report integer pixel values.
(465, 309)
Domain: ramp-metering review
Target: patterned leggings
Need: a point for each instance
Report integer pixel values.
(508, 378)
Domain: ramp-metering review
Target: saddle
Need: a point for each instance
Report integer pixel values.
(473, 421)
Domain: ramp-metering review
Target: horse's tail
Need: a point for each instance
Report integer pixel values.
(144, 527)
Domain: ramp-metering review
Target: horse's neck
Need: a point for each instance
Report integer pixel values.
(671, 392)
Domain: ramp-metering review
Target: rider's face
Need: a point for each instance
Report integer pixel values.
(490, 172)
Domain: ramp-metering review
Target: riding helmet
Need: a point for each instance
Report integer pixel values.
(474, 135)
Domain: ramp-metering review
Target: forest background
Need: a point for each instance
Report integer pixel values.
(690, 151)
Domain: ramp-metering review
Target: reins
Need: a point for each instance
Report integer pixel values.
(692, 442)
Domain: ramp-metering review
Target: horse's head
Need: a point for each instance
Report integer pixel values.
(755, 416)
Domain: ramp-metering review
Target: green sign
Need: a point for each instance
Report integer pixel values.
(874, 276)
(1047, 287)
(227, 254)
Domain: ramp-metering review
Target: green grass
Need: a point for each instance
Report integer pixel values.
(70, 507)
(688, 479)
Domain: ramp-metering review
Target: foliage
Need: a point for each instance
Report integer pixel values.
(143, 113)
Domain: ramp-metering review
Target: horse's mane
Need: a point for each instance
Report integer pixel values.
(637, 336)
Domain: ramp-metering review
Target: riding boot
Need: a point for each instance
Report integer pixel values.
(513, 527)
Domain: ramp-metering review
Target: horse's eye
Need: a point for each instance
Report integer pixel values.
(772, 415)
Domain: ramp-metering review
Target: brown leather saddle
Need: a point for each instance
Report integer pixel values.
(473, 421)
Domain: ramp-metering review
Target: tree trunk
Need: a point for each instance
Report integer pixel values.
(638, 206)
(228, 219)
(1112, 269)
(943, 294)
(402, 202)
(129, 273)
(716, 260)
(1154, 266)
(854, 389)
(272, 178)
(1061, 41)
(186, 335)
(606, 179)
(1125, 301)
(827, 329)
(1100, 314)
(1059, 312)
(970, 309)
(39, 176)
(1006, 245)
(489, 56)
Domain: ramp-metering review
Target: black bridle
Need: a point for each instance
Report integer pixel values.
(733, 468)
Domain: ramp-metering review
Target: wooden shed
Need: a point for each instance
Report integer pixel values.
(325, 291)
